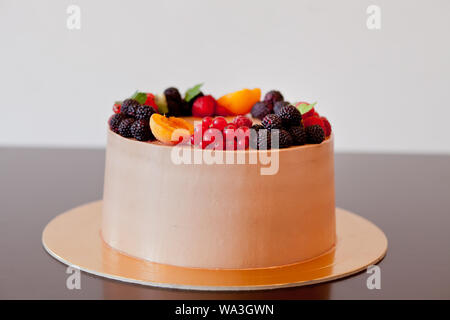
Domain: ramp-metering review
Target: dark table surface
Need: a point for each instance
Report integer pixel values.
(407, 196)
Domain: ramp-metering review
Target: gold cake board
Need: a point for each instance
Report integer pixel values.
(74, 239)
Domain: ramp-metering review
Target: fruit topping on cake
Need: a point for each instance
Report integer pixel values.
(204, 106)
(272, 121)
(170, 130)
(140, 130)
(271, 97)
(315, 134)
(260, 110)
(147, 116)
(298, 135)
(240, 102)
(290, 116)
(241, 121)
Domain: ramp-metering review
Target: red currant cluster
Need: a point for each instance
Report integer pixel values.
(219, 134)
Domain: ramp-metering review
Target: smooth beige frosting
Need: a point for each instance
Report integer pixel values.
(218, 216)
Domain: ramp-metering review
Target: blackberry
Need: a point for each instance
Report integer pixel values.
(186, 109)
(285, 139)
(278, 105)
(260, 110)
(272, 121)
(125, 127)
(174, 101)
(299, 135)
(290, 116)
(271, 97)
(115, 121)
(144, 112)
(263, 140)
(129, 107)
(140, 130)
(315, 134)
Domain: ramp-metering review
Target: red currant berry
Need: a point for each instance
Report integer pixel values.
(219, 123)
(117, 107)
(207, 122)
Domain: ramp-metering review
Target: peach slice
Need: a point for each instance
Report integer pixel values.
(240, 102)
(170, 130)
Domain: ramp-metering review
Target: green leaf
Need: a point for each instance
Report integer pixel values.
(304, 107)
(192, 92)
(140, 97)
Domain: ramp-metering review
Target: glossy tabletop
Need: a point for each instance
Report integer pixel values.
(407, 196)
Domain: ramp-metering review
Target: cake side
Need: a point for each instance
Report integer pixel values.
(218, 216)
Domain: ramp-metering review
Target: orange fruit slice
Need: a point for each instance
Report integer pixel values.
(240, 102)
(170, 130)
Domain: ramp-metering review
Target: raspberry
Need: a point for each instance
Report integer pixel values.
(204, 106)
(327, 126)
(260, 110)
(299, 136)
(115, 121)
(290, 116)
(315, 134)
(150, 102)
(140, 130)
(271, 97)
(241, 121)
(129, 107)
(116, 107)
(311, 121)
(125, 127)
(144, 112)
(272, 121)
(174, 101)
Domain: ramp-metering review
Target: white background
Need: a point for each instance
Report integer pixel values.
(383, 91)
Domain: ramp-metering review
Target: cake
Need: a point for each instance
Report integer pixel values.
(169, 199)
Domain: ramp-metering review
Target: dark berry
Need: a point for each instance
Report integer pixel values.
(299, 136)
(264, 140)
(278, 105)
(125, 127)
(140, 130)
(115, 121)
(129, 107)
(271, 97)
(315, 134)
(290, 116)
(285, 139)
(174, 101)
(260, 110)
(272, 121)
(144, 112)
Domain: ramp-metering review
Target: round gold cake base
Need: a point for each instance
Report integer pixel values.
(74, 239)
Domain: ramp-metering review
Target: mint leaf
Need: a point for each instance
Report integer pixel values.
(304, 107)
(192, 92)
(140, 97)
